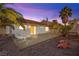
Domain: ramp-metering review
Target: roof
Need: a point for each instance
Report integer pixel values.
(32, 22)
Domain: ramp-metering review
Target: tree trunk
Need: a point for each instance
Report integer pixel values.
(65, 30)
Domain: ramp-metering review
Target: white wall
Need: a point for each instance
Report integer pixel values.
(19, 33)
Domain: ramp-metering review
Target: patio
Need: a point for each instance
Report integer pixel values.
(44, 48)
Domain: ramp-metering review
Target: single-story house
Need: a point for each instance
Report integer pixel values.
(32, 28)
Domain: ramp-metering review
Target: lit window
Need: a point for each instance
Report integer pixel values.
(46, 28)
(20, 28)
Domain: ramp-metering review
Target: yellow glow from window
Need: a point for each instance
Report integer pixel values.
(20, 28)
(33, 29)
(46, 28)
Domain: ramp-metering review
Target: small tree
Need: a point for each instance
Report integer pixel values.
(67, 28)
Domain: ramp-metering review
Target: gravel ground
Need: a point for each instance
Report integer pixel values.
(46, 48)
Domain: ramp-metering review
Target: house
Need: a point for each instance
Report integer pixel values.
(32, 28)
(75, 27)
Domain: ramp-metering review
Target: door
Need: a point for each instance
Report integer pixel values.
(33, 29)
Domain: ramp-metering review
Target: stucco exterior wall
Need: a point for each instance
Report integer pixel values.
(30, 30)
(19, 33)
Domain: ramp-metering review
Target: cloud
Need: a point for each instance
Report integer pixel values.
(35, 11)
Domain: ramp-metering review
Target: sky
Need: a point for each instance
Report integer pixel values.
(39, 11)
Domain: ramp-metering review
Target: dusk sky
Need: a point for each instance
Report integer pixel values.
(40, 11)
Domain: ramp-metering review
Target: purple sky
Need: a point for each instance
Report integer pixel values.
(41, 11)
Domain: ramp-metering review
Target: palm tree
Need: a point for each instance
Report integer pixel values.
(9, 17)
(65, 13)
